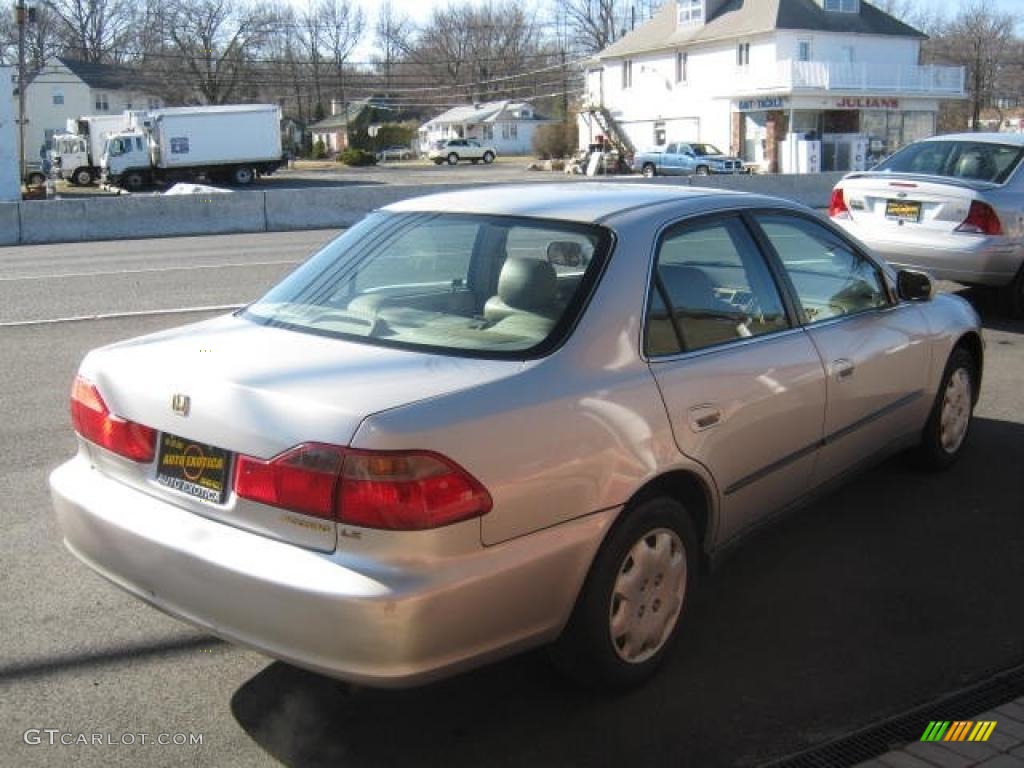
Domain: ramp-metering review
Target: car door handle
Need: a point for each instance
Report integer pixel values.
(842, 369)
(704, 417)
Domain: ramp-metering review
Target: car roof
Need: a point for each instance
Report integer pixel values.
(581, 201)
(1016, 139)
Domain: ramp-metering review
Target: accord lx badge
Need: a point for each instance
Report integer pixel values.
(180, 404)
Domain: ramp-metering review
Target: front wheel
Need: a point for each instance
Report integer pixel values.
(453, 159)
(702, 170)
(649, 170)
(82, 177)
(134, 181)
(629, 610)
(946, 431)
(488, 157)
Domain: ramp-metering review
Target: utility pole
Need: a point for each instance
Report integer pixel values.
(21, 18)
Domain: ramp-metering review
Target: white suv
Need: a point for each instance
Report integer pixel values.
(453, 150)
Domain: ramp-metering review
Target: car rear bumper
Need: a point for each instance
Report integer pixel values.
(963, 258)
(351, 617)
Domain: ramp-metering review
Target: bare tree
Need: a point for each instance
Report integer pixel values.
(978, 38)
(342, 27)
(96, 30)
(596, 24)
(211, 44)
(393, 33)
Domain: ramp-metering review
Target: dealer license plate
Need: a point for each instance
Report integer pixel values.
(903, 210)
(193, 468)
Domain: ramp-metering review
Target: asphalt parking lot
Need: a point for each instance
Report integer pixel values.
(895, 590)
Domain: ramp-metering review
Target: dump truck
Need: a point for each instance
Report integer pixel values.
(233, 144)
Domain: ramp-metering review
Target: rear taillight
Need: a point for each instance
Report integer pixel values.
(303, 479)
(94, 421)
(402, 491)
(837, 205)
(981, 220)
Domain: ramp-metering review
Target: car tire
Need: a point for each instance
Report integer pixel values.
(453, 159)
(648, 563)
(488, 157)
(242, 176)
(703, 170)
(649, 170)
(35, 179)
(82, 177)
(949, 422)
(1012, 296)
(133, 182)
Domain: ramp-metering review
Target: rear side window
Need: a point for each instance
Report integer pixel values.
(711, 286)
(972, 160)
(829, 278)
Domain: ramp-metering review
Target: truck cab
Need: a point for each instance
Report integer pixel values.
(70, 156)
(126, 159)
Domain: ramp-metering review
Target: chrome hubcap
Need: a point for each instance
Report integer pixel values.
(956, 411)
(648, 595)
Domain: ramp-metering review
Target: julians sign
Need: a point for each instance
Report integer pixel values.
(866, 102)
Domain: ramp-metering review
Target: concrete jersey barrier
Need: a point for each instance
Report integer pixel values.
(277, 210)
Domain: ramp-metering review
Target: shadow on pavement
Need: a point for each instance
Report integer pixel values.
(897, 588)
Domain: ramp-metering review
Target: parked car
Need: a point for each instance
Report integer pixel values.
(953, 205)
(686, 159)
(394, 153)
(454, 150)
(474, 424)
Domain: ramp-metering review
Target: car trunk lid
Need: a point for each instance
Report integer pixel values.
(233, 385)
(909, 203)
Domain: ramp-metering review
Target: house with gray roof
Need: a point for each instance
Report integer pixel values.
(508, 126)
(65, 88)
(788, 85)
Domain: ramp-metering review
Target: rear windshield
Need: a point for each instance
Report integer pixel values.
(478, 285)
(973, 160)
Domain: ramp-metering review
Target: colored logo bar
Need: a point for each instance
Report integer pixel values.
(960, 730)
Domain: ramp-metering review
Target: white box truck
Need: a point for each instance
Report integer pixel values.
(76, 154)
(233, 144)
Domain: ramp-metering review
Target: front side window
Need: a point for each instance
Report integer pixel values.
(829, 278)
(455, 283)
(711, 286)
(977, 160)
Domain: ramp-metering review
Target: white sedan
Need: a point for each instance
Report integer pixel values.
(953, 205)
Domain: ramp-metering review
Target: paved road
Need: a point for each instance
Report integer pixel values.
(894, 590)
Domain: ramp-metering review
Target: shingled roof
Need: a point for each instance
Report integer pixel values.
(108, 77)
(740, 18)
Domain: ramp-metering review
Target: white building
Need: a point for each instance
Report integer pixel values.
(745, 75)
(508, 126)
(65, 89)
(10, 188)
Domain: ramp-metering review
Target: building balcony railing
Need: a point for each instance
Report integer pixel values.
(943, 82)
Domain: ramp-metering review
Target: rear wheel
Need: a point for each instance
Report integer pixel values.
(35, 179)
(649, 170)
(1012, 296)
(945, 433)
(82, 177)
(488, 157)
(453, 159)
(242, 176)
(629, 610)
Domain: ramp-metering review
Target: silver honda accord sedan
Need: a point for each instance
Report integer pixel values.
(489, 420)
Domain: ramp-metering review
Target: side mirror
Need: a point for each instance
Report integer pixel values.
(913, 285)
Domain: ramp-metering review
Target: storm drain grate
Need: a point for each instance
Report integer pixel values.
(892, 734)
